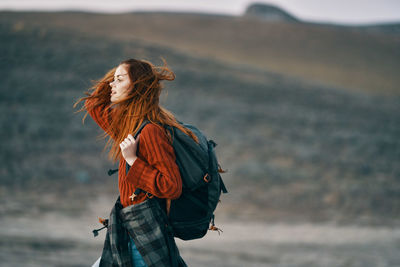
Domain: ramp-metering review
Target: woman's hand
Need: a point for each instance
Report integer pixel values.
(129, 148)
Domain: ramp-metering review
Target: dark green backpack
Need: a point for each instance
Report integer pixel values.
(192, 214)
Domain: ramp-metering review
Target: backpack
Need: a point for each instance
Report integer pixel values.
(192, 214)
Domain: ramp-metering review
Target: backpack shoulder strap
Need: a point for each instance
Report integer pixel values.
(144, 123)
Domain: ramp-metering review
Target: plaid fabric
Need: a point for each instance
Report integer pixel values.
(115, 250)
(146, 223)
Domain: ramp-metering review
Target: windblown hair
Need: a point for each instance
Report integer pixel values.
(141, 103)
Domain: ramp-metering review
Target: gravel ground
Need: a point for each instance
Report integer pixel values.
(52, 239)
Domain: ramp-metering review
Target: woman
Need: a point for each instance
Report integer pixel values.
(119, 103)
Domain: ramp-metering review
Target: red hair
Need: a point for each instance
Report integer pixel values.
(141, 103)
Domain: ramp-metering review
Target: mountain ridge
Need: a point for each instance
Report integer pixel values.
(269, 12)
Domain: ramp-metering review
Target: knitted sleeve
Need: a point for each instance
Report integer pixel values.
(155, 170)
(100, 114)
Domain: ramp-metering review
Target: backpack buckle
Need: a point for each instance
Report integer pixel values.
(207, 178)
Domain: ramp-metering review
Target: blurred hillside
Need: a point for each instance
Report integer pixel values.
(347, 57)
(295, 148)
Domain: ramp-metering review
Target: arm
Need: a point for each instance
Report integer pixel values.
(157, 172)
(100, 113)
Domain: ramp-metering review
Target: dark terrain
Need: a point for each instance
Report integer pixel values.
(312, 167)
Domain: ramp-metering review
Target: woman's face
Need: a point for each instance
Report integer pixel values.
(121, 84)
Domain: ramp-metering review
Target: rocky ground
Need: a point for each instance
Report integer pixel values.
(59, 239)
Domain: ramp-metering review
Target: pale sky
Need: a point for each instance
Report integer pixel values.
(331, 11)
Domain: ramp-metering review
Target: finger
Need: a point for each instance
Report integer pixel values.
(127, 140)
(131, 138)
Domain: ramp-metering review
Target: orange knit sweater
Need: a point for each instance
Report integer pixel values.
(154, 171)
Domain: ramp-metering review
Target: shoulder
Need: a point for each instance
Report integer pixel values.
(154, 132)
(155, 143)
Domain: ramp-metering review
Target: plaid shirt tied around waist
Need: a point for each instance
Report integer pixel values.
(147, 224)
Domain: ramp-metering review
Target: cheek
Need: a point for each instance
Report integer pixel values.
(125, 90)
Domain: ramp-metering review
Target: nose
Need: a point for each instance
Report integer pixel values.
(111, 83)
